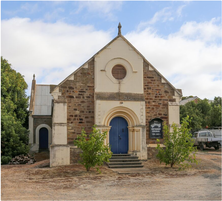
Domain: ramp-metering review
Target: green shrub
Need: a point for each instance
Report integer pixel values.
(5, 159)
(94, 151)
(178, 145)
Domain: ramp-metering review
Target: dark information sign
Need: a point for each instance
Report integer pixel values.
(156, 129)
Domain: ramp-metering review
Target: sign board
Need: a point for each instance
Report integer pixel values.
(156, 129)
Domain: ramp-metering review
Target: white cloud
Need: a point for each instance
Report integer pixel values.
(43, 48)
(163, 15)
(180, 9)
(25, 7)
(104, 8)
(190, 59)
(56, 14)
(206, 31)
(30, 8)
(203, 85)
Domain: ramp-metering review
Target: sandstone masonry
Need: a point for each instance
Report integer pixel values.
(94, 94)
(79, 94)
(157, 95)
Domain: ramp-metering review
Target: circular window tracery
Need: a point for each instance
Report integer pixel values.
(119, 72)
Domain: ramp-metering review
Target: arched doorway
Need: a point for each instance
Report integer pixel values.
(43, 138)
(118, 135)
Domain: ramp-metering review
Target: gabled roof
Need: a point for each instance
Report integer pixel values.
(120, 35)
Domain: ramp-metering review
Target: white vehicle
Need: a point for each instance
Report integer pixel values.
(205, 139)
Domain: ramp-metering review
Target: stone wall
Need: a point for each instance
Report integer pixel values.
(74, 154)
(41, 119)
(152, 152)
(79, 94)
(157, 95)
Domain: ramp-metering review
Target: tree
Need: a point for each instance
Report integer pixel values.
(203, 113)
(215, 112)
(178, 145)
(215, 115)
(204, 107)
(14, 103)
(185, 97)
(217, 101)
(191, 110)
(94, 151)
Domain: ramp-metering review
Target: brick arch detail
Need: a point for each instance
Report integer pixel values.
(124, 112)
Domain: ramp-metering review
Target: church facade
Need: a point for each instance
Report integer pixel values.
(119, 91)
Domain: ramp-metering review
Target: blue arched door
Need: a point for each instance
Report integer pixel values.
(43, 138)
(118, 135)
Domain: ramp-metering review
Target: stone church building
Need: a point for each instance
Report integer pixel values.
(118, 90)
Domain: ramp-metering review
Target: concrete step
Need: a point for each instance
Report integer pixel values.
(124, 161)
(121, 155)
(124, 157)
(125, 166)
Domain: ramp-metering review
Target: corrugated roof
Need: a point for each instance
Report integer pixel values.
(185, 101)
(43, 100)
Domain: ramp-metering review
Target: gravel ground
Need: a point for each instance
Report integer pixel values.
(34, 182)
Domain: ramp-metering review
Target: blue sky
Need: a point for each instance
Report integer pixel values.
(182, 39)
(130, 13)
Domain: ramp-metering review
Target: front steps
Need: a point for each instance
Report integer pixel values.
(124, 161)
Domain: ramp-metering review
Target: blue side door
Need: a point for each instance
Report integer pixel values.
(118, 135)
(43, 138)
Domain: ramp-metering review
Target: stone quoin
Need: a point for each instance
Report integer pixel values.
(118, 90)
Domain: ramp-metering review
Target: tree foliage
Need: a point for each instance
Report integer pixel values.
(178, 145)
(14, 103)
(185, 97)
(95, 152)
(191, 110)
(215, 112)
(203, 113)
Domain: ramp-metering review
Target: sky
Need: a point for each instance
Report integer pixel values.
(51, 39)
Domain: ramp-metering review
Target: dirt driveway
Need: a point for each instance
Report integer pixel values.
(157, 182)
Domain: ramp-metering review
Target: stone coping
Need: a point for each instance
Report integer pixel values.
(59, 145)
(155, 145)
(73, 147)
(119, 96)
(148, 145)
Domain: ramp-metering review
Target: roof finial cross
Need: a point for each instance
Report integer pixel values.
(33, 76)
(119, 29)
